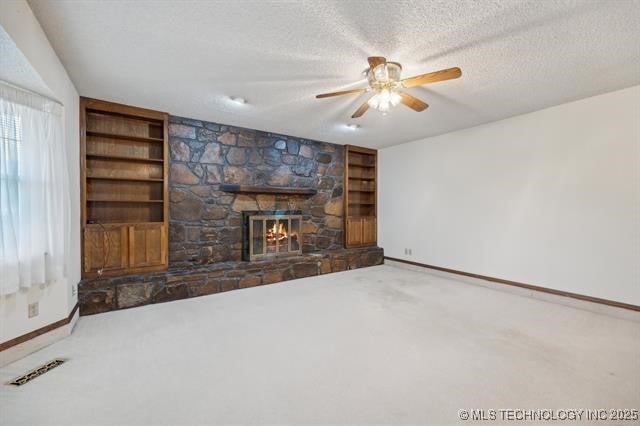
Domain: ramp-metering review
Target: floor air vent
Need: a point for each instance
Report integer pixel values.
(23, 380)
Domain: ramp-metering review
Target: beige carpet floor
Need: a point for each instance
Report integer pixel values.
(376, 346)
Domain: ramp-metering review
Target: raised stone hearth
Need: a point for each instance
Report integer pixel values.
(108, 294)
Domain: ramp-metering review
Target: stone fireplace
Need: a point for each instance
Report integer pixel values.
(205, 214)
(246, 208)
(271, 233)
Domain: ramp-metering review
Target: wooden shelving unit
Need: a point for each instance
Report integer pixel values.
(360, 197)
(124, 187)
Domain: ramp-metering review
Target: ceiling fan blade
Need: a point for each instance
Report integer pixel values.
(432, 77)
(374, 61)
(413, 102)
(363, 108)
(342, 92)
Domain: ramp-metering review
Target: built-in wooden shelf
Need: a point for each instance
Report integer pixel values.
(362, 178)
(94, 200)
(90, 222)
(124, 137)
(124, 189)
(360, 196)
(125, 179)
(267, 189)
(123, 158)
(131, 116)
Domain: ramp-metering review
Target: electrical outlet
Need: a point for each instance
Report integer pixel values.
(34, 309)
(407, 251)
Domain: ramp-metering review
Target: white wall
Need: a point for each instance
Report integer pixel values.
(550, 198)
(56, 300)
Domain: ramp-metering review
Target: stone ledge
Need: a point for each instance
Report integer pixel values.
(113, 293)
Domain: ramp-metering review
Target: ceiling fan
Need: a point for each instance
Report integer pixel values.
(384, 80)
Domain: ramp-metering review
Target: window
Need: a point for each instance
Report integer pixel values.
(34, 198)
(10, 147)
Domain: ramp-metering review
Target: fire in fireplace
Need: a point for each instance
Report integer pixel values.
(271, 233)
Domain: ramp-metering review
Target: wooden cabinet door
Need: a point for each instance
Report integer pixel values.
(105, 248)
(147, 245)
(369, 231)
(353, 232)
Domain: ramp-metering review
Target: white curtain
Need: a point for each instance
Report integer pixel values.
(34, 198)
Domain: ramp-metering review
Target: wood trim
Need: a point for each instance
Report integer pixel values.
(121, 109)
(83, 186)
(124, 137)
(345, 197)
(165, 192)
(131, 244)
(361, 149)
(40, 331)
(124, 255)
(228, 187)
(122, 158)
(522, 285)
(163, 243)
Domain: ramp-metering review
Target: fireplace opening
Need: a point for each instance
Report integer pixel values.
(271, 233)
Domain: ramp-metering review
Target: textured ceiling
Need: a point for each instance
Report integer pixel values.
(16, 69)
(188, 57)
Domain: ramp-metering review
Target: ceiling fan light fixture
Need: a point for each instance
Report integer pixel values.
(353, 126)
(381, 74)
(394, 70)
(384, 75)
(385, 82)
(384, 100)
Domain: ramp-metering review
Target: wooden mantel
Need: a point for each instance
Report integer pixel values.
(266, 189)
